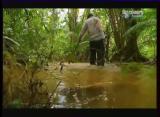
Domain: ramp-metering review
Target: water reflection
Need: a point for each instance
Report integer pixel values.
(105, 88)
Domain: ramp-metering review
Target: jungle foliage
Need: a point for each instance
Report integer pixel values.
(34, 37)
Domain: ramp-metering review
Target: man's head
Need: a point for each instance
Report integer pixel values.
(89, 15)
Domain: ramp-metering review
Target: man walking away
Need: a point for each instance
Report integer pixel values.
(96, 41)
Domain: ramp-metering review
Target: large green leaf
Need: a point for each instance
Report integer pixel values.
(140, 26)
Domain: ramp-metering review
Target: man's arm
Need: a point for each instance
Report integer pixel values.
(84, 29)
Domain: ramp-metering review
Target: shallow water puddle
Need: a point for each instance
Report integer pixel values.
(85, 86)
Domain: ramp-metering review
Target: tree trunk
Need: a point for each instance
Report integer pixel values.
(117, 22)
(125, 51)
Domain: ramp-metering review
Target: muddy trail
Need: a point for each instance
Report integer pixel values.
(80, 85)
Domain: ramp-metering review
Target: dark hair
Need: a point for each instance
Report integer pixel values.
(89, 15)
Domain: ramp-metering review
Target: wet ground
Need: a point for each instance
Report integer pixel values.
(80, 85)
